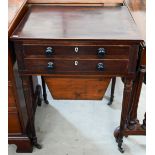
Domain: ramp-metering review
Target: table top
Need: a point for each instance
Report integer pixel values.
(75, 1)
(69, 22)
(138, 11)
(14, 7)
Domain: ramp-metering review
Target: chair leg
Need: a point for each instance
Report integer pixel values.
(44, 90)
(112, 90)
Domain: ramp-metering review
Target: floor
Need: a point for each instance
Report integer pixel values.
(67, 127)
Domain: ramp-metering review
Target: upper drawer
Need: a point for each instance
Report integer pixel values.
(104, 51)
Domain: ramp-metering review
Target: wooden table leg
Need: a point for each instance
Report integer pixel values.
(118, 133)
(133, 127)
(44, 90)
(36, 91)
(27, 87)
(112, 90)
(144, 122)
(133, 122)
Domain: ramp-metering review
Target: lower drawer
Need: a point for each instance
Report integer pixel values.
(14, 125)
(80, 66)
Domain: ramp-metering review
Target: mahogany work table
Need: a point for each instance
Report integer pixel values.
(59, 42)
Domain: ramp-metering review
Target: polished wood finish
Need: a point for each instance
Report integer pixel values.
(14, 123)
(77, 88)
(76, 23)
(74, 1)
(138, 11)
(113, 81)
(124, 114)
(17, 117)
(31, 106)
(113, 51)
(23, 143)
(133, 127)
(15, 8)
(73, 27)
(11, 99)
(136, 94)
(44, 90)
(84, 66)
(18, 132)
(117, 60)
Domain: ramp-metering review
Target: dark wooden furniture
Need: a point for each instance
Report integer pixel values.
(19, 130)
(113, 82)
(96, 43)
(138, 12)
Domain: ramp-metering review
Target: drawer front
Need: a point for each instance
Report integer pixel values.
(79, 66)
(100, 51)
(11, 98)
(14, 123)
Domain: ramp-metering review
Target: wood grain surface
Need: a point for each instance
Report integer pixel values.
(14, 9)
(78, 88)
(57, 22)
(138, 11)
(75, 1)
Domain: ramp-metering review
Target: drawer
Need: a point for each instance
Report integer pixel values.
(79, 65)
(11, 98)
(100, 51)
(14, 123)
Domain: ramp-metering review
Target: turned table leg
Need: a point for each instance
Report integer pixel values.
(26, 80)
(39, 95)
(112, 90)
(137, 85)
(44, 90)
(36, 92)
(125, 107)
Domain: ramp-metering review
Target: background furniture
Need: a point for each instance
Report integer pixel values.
(19, 129)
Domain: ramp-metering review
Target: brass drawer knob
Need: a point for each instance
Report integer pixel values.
(100, 66)
(101, 52)
(49, 51)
